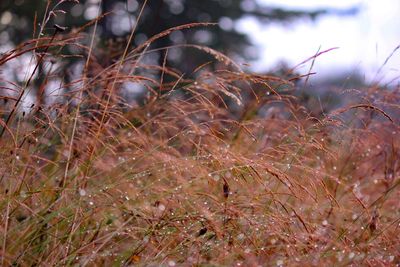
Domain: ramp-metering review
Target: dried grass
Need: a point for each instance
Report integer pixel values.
(197, 174)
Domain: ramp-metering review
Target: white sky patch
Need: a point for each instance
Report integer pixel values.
(364, 40)
(19, 69)
(310, 4)
(54, 91)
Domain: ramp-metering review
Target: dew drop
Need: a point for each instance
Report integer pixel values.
(82, 192)
(240, 236)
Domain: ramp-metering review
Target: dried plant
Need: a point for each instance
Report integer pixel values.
(221, 167)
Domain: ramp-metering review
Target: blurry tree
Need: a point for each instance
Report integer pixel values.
(20, 20)
(17, 17)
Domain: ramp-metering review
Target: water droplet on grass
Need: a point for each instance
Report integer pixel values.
(240, 236)
(82, 192)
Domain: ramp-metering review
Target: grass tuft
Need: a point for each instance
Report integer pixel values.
(219, 167)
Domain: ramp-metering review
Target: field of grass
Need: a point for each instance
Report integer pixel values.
(215, 168)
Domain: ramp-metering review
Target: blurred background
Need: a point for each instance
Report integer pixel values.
(271, 36)
(365, 31)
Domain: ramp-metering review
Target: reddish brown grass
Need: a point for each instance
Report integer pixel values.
(224, 169)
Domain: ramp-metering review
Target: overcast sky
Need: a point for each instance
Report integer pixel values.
(364, 40)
